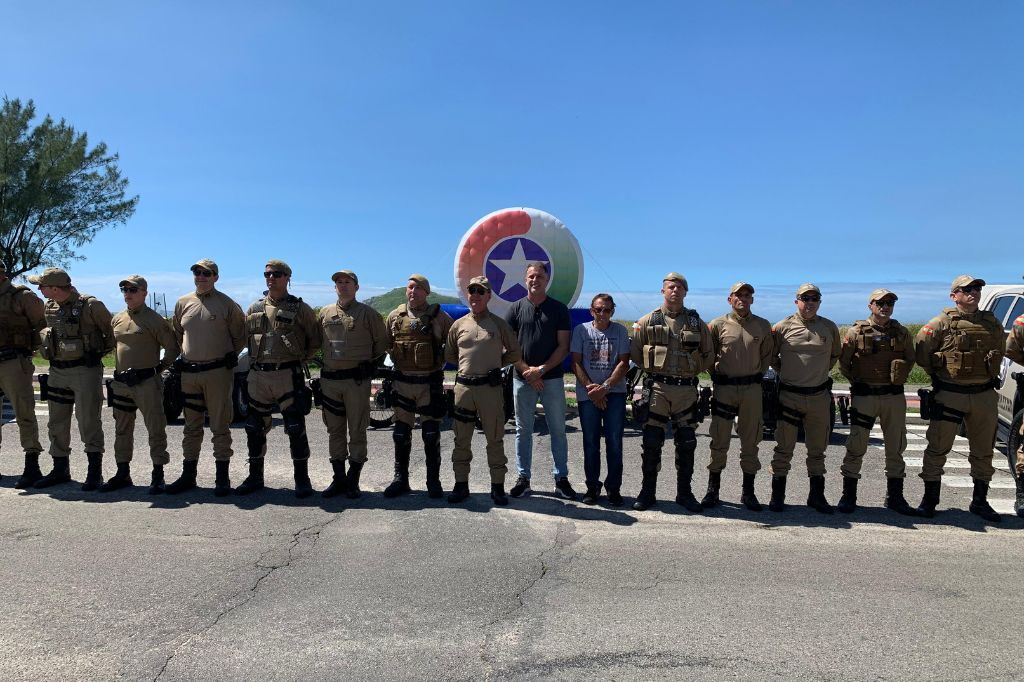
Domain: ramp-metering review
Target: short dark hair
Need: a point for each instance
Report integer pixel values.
(604, 297)
(539, 265)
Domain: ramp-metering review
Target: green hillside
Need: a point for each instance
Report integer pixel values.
(385, 303)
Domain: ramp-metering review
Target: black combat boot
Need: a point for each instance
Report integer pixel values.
(252, 482)
(592, 494)
(778, 501)
(1019, 505)
(303, 486)
(222, 479)
(748, 498)
(650, 462)
(714, 485)
(156, 483)
(460, 493)
(434, 489)
(121, 479)
(498, 494)
(337, 485)
(402, 437)
(894, 497)
(848, 502)
(352, 490)
(930, 499)
(431, 433)
(31, 473)
(94, 474)
(187, 480)
(816, 497)
(61, 473)
(980, 505)
(686, 445)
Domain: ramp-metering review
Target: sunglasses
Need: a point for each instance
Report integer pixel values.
(810, 299)
(477, 290)
(129, 290)
(202, 273)
(970, 290)
(602, 311)
(273, 274)
(885, 304)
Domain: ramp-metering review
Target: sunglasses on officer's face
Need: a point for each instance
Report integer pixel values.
(970, 290)
(601, 311)
(129, 290)
(202, 273)
(810, 299)
(885, 304)
(477, 290)
(273, 274)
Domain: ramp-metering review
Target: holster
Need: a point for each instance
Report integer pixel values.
(303, 394)
(231, 360)
(387, 388)
(494, 377)
(843, 403)
(318, 393)
(642, 406)
(108, 385)
(927, 397)
(44, 391)
(703, 404)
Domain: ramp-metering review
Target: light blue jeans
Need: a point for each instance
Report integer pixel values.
(553, 400)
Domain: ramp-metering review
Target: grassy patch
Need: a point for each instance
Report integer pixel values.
(108, 361)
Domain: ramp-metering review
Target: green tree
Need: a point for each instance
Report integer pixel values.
(55, 192)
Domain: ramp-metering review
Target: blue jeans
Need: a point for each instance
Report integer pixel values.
(610, 423)
(553, 400)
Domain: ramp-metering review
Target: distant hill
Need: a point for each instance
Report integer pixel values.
(385, 303)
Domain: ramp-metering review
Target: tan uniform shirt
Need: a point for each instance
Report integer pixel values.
(352, 334)
(94, 328)
(439, 326)
(875, 368)
(479, 344)
(28, 307)
(965, 351)
(270, 341)
(805, 350)
(140, 334)
(679, 361)
(208, 326)
(743, 345)
(1015, 342)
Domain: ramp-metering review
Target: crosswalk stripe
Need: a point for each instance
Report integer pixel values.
(958, 463)
(1001, 483)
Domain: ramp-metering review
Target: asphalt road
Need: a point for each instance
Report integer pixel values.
(196, 587)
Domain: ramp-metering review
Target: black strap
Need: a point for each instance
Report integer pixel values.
(275, 366)
(806, 390)
(675, 381)
(335, 407)
(463, 415)
(691, 410)
(418, 379)
(195, 367)
(68, 364)
(970, 389)
(723, 380)
(123, 403)
(338, 374)
(407, 404)
(658, 418)
(471, 381)
(860, 419)
(724, 411)
(11, 353)
(945, 413)
(134, 376)
(791, 416)
(864, 389)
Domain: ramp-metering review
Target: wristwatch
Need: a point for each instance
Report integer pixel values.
(606, 386)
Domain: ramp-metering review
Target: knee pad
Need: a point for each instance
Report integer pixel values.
(294, 424)
(685, 439)
(254, 426)
(402, 434)
(654, 436)
(431, 432)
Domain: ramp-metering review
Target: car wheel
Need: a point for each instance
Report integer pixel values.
(240, 398)
(381, 416)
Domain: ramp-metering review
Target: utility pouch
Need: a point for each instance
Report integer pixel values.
(44, 392)
(303, 394)
(494, 377)
(108, 384)
(318, 394)
(899, 370)
(927, 397)
(642, 405)
(703, 404)
(843, 403)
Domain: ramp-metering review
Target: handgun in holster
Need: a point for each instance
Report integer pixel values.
(44, 391)
(927, 397)
(843, 403)
(108, 385)
(703, 404)
(303, 400)
(642, 406)
(318, 394)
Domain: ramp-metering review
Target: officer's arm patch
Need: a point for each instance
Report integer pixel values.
(1019, 322)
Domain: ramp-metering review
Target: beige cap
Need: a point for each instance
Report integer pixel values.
(279, 265)
(807, 288)
(741, 285)
(206, 264)
(134, 281)
(51, 277)
(345, 273)
(965, 281)
(879, 294)
(676, 277)
(480, 281)
(421, 280)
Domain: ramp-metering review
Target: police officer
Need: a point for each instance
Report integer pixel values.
(877, 356)
(480, 344)
(21, 320)
(283, 336)
(416, 335)
(354, 343)
(139, 333)
(673, 345)
(743, 349)
(76, 337)
(962, 350)
(1015, 351)
(210, 328)
(806, 346)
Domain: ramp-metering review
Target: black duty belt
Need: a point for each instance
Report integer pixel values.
(484, 380)
(336, 374)
(960, 388)
(193, 367)
(135, 376)
(806, 390)
(864, 389)
(431, 378)
(11, 353)
(723, 380)
(274, 366)
(675, 381)
(68, 364)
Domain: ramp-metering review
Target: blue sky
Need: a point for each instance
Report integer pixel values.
(849, 144)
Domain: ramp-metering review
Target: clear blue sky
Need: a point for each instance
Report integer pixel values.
(850, 144)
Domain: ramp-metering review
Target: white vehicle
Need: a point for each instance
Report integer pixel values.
(1006, 302)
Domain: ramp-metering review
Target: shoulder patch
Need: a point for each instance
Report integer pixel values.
(1019, 322)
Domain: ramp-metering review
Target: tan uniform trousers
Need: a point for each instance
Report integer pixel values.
(417, 393)
(672, 404)
(77, 389)
(16, 384)
(816, 418)
(266, 390)
(487, 403)
(208, 393)
(747, 401)
(891, 412)
(980, 419)
(346, 431)
(148, 398)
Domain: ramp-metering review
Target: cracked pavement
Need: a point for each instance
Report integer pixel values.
(197, 587)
